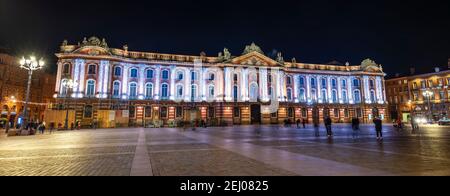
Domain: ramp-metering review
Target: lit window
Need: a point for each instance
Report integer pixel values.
(91, 69)
(150, 73)
(165, 75)
(133, 73)
(90, 91)
(117, 71)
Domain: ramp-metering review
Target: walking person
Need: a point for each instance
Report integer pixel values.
(355, 127)
(7, 127)
(379, 128)
(399, 125)
(304, 123)
(328, 124)
(298, 123)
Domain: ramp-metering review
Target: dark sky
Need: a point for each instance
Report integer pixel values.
(397, 34)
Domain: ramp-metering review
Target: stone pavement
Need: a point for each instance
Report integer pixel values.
(229, 151)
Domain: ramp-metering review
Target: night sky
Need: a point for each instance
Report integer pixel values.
(398, 34)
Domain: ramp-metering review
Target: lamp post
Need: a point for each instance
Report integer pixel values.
(31, 64)
(68, 84)
(428, 95)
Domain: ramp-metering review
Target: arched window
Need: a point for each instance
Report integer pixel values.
(193, 92)
(302, 95)
(313, 82)
(91, 69)
(302, 81)
(254, 93)
(211, 92)
(117, 71)
(165, 75)
(344, 83)
(212, 77)
(150, 73)
(149, 90)
(235, 77)
(180, 91)
(371, 84)
(133, 90)
(288, 80)
(66, 69)
(356, 82)
(334, 96)
(357, 96)
(133, 73)
(194, 76)
(344, 96)
(180, 75)
(372, 96)
(235, 93)
(324, 83)
(289, 94)
(90, 90)
(333, 83)
(324, 95)
(63, 90)
(88, 111)
(271, 92)
(116, 89)
(313, 95)
(164, 91)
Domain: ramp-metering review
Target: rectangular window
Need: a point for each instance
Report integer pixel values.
(291, 112)
(148, 111)
(179, 112)
(274, 115)
(336, 113)
(236, 112)
(346, 113)
(359, 112)
(304, 113)
(211, 112)
(415, 85)
(423, 84)
(132, 111)
(164, 112)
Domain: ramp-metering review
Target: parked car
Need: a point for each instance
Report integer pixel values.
(444, 121)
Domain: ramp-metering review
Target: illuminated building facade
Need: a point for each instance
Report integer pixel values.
(140, 87)
(425, 96)
(13, 82)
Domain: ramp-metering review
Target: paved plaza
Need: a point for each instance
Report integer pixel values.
(230, 151)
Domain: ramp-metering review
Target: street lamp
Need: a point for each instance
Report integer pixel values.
(68, 84)
(428, 94)
(31, 64)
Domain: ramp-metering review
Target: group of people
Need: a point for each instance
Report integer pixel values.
(33, 127)
(355, 127)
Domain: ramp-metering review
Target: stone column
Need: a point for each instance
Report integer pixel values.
(157, 82)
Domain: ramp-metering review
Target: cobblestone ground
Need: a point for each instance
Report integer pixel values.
(230, 151)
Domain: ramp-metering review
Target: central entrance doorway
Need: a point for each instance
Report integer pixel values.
(255, 111)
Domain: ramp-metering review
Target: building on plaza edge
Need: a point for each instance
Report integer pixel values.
(420, 95)
(118, 87)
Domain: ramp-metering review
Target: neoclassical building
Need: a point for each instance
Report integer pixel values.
(137, 88)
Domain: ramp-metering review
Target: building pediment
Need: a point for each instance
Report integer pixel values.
(92, 51)
(371, 66)
(254, 58)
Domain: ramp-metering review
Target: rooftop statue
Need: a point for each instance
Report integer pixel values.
(280, 58)
(225, 56)
(252, 48)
